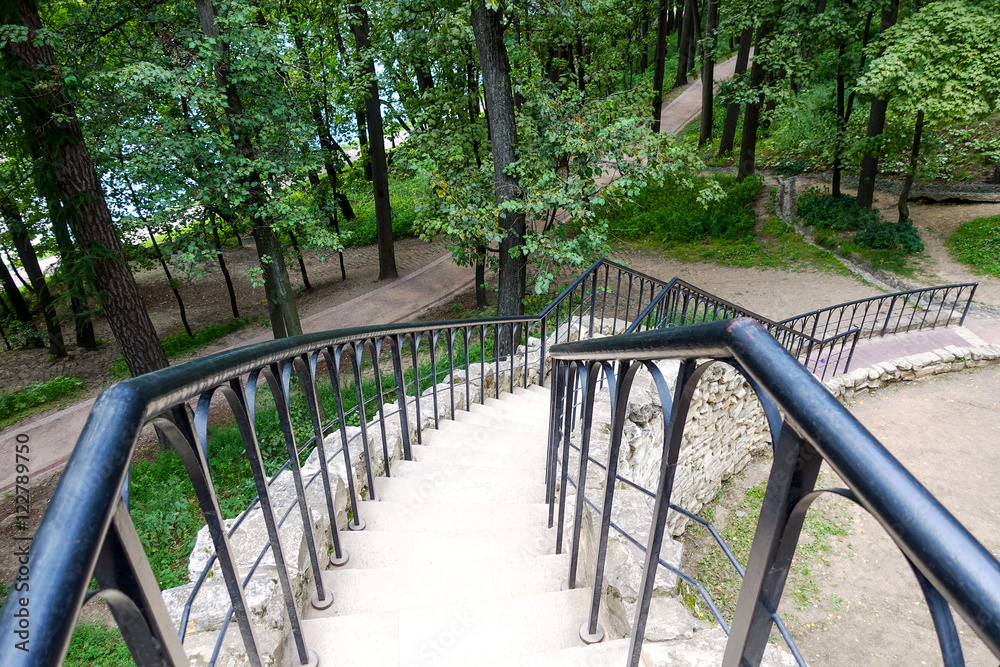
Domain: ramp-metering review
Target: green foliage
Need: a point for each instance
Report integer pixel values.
(835, 216)
(673, 210)
(891, 236)
(14, 405)
(838, 213)
(181, 344)
(977, 244)
(404, 193)
(97, 644)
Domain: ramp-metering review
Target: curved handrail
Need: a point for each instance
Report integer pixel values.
(938, 546)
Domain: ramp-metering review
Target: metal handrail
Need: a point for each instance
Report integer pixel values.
(819, 322)
(808, 427)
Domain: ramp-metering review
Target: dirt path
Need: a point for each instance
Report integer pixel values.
(868, 608)
(684, 108)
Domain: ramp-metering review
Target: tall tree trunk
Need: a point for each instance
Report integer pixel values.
(481, 277)
(911, 172)
(281, 306)
(684, 43)
(225, 270)
(472, 83)
(17, 274)
(488, 29)
(302, 261)
(53, 121)
(29, 260)
(659, 58)
(643, 34)
(73, 270)
(708, 72)
(876, 123)
(751, 116)
(733, 110)
(170, 281)
(376, 146)
(19, 305)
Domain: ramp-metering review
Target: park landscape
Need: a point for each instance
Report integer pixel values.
(267, 169)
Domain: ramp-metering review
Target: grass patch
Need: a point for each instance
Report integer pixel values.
(977, 245)
(825, 524)
(180, 344)
(15, 405)
(97, 644)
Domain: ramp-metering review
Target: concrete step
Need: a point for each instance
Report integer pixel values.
(416, 586)
(453, 636)
(452, 516)
(448, 490)
(606, 654)
(514, 420)
(458, 435)
(534, 460)
(510, 417)
(437, 471)
(388, 548)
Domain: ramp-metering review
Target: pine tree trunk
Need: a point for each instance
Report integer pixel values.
(751, 117)
(733, 110)
(876, 123)
(29, 260)
(376, 147)
(708, 73)
(281, 307)
(659, 58)
(53, 120)
(911, 172)
(488, 29)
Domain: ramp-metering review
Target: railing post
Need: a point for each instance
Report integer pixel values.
(555, 434)
(404, 418)
(793, 476)
(968, 303)
(591, 372)
(674, 431)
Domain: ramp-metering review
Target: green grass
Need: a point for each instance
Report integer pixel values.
(670, 210)
(826, 524)
(181, 344)
(96, 644)
(976, 244)
(15, 405)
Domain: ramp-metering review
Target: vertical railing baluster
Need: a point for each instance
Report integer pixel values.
(357, 359)
(404, 417)
(588, 383)
(965, 311)
(338, 557)
(793, 476)
(432, 337)
(380, 402)
(673, 431)
(555, 433)
(572, 372)
(334, 369)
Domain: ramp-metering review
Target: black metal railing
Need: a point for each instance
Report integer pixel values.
(926, 308)
(808, 427)
(390, 382)
(377, 377)
(680, 304)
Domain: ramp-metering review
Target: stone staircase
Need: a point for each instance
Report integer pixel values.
(454, 566)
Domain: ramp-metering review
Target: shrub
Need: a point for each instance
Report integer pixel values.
(829, 212)
(891, 236)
